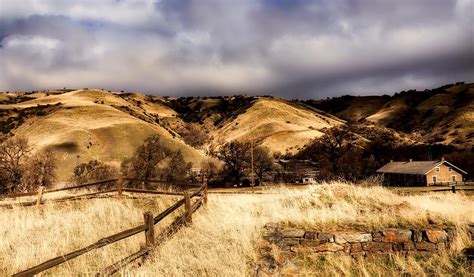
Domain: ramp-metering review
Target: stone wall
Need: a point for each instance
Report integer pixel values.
(358, 243)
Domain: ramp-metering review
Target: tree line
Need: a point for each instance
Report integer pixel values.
(346, 152)
(355, 152)
(21, 171)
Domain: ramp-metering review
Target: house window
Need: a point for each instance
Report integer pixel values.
(434, 179)
(450, 169)
(437, 169)
(453, 178)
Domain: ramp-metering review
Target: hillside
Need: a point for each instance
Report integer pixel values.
(79, 125)
(93, 124)
(443, 115)
(280, 125)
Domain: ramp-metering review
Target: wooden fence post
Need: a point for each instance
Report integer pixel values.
(204, 197)
(40, 195)
(453, 189)
(187, 206)
(120, 185)
(150, 231)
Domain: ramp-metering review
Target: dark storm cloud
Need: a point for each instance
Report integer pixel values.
(288, 48)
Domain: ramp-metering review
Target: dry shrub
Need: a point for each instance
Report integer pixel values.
(40, 171)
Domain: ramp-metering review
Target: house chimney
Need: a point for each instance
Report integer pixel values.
(442, 159)
(410, 161)
(391, 161)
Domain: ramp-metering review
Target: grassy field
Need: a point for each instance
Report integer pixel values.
(33, 235)
(226, 234)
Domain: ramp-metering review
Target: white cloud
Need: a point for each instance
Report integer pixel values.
(309, 48)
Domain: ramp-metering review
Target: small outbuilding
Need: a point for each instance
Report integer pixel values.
(421, 173)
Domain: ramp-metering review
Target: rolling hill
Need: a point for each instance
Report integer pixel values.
(80, 125)
(280, 125)
(442, 115)
(86, 124)
(94, 124)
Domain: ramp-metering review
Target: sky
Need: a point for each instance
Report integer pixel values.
(288, 48)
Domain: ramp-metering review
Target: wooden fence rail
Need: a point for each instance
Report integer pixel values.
(452, 189)
(152, 191)
(147, 227)
(91, 184)
(33, 193)
(119, 188)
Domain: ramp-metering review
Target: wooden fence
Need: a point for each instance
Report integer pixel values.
(147, 227)
(119, 189)
(452, 189)
(455, 183)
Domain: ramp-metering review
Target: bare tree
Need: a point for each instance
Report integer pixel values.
(263, 162)
(93, 170)
(331, 150)
(147, 157)
(13, 153)
(178, 169)
(194, 136)
(210, 169)
(40, 171)
(236, 157)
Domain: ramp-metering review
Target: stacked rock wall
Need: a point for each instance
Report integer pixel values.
(358, 243)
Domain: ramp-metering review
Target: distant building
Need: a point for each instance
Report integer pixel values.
(308, 180)
(296, 170)
(421, 173)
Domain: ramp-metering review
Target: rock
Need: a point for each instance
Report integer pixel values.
(436, 235)
(289, 241)
(471, 231)
(397, 247)
(416, 235)
(330, 246)
(356, 247)
(342, 238)
(469, 253)
(325, 237)
(425, 246)
(272, 226)
(310, 235)
(451, 233)
(377, 236)
(408, 246)
(310, 242)
(396, 235)
(376, 246)
(358, 255)
(292, 233)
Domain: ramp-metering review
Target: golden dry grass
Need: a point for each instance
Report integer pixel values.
(225, 235)
(82, 130)
(31, 236)
(224, 238)
(280, 126)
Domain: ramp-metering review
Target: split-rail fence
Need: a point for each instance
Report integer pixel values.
(147, 227)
